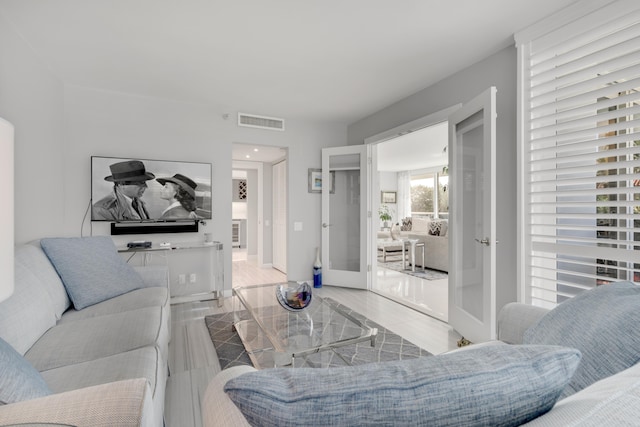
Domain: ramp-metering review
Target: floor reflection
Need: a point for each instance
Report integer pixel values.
(427, 296)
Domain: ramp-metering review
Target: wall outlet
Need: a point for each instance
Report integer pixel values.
(182, 279)
(192, 278)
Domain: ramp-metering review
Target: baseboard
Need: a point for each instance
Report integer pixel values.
(197, 297)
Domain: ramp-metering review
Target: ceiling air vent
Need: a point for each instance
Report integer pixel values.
(260, 122)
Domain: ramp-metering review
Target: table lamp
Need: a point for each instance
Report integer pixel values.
(6, 213)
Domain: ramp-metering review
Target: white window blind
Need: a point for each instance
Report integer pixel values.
(579, 83)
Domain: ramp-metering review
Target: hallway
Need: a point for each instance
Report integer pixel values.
(246, 271)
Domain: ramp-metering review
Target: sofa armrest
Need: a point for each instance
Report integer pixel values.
(121, 403)
(218, 410)
(154, 275)
(515, 318)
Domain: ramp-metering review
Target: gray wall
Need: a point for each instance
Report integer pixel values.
(59, 127)
(497, 70)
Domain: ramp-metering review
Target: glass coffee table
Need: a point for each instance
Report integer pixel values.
(275, 337)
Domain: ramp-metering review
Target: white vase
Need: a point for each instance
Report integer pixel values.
(395, 231)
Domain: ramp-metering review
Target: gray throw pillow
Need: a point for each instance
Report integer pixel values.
(494, 385)
(91, 269)
(603, 323)
(19, 380)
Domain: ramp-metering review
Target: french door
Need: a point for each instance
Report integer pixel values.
(345, 216)
(472, 209)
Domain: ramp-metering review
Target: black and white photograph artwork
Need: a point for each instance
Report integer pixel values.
(149, 190)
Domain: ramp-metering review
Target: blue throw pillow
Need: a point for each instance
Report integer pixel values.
(494, 385)
(603, 323)
(19, 380)
(91, 269)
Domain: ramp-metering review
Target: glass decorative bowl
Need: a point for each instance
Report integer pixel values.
(294, 296)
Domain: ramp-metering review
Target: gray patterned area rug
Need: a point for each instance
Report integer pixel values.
(427, 274)
(389, 346)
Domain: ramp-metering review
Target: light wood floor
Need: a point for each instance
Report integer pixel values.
(192, 358)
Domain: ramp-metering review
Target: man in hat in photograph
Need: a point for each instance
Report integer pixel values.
(124, 203)
(180, 192)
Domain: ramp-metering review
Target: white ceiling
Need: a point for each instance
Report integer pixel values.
(257, 153)
(421, 149)
(326, 60)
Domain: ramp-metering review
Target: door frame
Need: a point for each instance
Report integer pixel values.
(257, 166)
(412, 126)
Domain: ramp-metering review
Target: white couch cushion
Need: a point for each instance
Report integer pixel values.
(144, 362)
(97, 337)
(134, 300)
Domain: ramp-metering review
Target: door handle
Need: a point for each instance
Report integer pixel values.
(485, 241)
(325, 225)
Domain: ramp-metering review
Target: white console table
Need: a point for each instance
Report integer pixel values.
(196, 269)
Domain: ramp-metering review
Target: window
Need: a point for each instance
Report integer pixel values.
(580, 137)
(425, 200)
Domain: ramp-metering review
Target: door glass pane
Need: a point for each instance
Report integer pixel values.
(469, 287)
(344, 213)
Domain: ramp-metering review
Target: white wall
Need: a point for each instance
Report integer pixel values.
(32, 99)
(388, 182)
(497, 70)
(123, 125)
(58, 129)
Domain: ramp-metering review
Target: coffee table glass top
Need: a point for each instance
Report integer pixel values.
(274, 336)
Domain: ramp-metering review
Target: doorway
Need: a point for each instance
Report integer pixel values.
(412, 174)
(253, 215)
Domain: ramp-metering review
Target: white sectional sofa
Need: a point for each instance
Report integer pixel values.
(436, 247)
(103, 364)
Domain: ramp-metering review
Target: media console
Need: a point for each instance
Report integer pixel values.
(196, 269)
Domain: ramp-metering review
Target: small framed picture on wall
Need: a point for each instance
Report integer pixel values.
(388, 197)
(315, 181)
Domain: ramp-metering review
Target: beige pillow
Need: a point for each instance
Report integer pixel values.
(420, 224)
